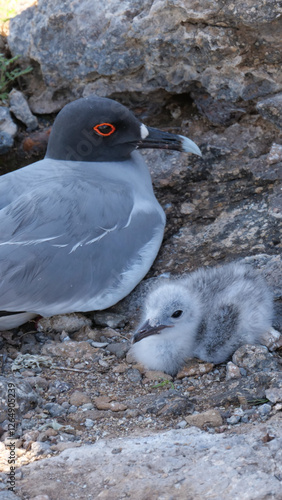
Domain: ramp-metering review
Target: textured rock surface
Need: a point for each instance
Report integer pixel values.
(19, 107)
(227, 54)
(154, 56)
(8, 130)
(170, 465)
(20, 394)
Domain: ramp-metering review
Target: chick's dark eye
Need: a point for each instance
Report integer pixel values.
(104, 129)
(177, 313)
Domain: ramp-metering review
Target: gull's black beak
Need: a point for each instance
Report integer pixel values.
(157, 139)
(146, 330)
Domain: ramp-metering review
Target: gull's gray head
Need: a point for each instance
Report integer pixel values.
(100, 129)
(169, 324)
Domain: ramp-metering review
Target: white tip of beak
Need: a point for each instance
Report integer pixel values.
(189, 146)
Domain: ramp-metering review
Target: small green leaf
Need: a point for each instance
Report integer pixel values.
(163, 384)
(7, 75)
(257, 402)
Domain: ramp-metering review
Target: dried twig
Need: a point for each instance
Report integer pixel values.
(70, 369)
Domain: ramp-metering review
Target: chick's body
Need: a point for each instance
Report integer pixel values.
(208, 314)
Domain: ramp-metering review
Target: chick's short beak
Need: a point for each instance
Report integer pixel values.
(146, 330)
(157, 139)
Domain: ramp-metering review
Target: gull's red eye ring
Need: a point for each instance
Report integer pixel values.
(104, 129)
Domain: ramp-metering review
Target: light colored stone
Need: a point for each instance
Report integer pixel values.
(121, 368)
(274, 394)
(275, 154)
(72, 350)
(79, 398)
(68, 322)
(41, 497)
(195, 368)
(20, 108)
(165, 465)
(156, 375)
(272, 339)
(107, 403)
(64, 446)
(8, 130)
(254, 358)
(232, 371)
(8, 495)
(187, 208)
(209, 418)
(271, 109)
(112, 320)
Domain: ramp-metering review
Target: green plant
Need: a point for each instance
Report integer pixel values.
(257, 402)
(9, 73)
(163, 384)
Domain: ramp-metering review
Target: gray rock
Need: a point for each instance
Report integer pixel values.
(235, 419)
(110, 319)
(255, 359)
(59, 386)
(160, 466)
(134, 376)
(8, 495)
(181, 425)
(139, 47)
(68, 322)
(274, 394)
(271, 109)
(78, 398)
(55, 409)
(40, 448)
(20, 108)
(6, 142)
(19, 395)
(119, 349)
(8, 130)
(232, 371)
(89, 422)
(209, 418)
(264, 409)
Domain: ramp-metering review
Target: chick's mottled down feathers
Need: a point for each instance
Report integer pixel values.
(207, 314)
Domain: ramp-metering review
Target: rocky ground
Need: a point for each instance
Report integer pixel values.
(76, 383)
(78, 388)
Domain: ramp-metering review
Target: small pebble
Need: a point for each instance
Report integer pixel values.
(99, 344)
(181, 425)
(113, 320)
(232, 371)
(87, 406)
(274, 394)
(55, 410)
(103, 363)
(89, 423)
(119, 349)
(157, 375)
(41, 497)
(245, 419)
(79, 398)
(194, 368)
(134, 375)
(264, 409)
(40, 448)
(235, 419)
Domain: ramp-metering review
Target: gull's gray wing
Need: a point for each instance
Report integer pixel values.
(64, 243)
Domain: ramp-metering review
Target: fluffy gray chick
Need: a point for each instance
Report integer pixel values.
(207, 314)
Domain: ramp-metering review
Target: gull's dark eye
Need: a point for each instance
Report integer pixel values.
(104, 129)
(177, 313)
